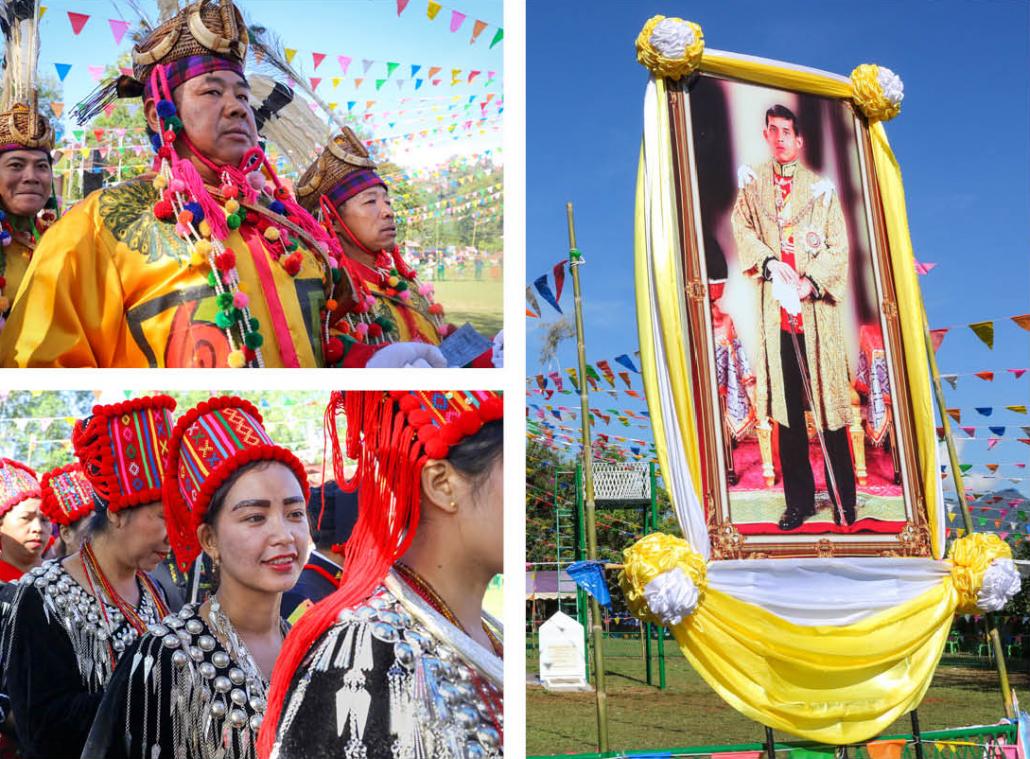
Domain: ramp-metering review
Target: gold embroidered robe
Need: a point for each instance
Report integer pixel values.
(821, 253)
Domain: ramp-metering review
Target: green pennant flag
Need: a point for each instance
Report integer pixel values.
(497, 37)
(390, 68)
(380, 83)
(965, 467)
(985, 331)
(78, 134)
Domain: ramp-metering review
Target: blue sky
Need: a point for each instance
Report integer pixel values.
(360, 29)
(962, 140)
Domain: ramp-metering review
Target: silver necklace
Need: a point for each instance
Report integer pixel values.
(235, 647)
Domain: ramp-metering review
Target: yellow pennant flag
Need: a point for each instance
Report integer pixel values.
(985, 331)
(1019, 409)
(336, 82)
(42, 10)
(432, 9)
(289, 54)
(332, 106)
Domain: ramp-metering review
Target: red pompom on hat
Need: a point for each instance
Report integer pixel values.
(391, 435)
(17, 483)
(209, 443)
(67, 495)
(122, 449)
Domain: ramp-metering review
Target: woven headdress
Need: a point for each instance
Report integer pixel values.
(209, 443)
(342, 170)
(122, 449)
(21, 125)
(391, 435)
(17, 483)
(67, 495)
(203, 37)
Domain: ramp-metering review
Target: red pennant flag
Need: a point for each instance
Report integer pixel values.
(401, 5)
(318, 58)
(624, 376)
(118, 29)
(315, 81)
(457, 19)
(955, 414)
(1025, 440)
(633, 393)
(473, 75)
(99, 134)
(937, 337)
(1023, 321)
(1017, 373)
(78, 21)
(988, 376)
(477, 29)
(559, 279)
(971, 431)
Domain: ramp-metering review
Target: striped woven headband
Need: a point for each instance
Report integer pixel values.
(181, 71)
(352, 184)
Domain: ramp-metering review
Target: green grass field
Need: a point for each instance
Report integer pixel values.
(688, 713)
(479, 303)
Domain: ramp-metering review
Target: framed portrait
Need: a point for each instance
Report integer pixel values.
(798, 371)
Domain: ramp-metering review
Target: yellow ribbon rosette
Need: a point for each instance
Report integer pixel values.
(663, 579)
(877, 91)
(982, 573)
(670, 47)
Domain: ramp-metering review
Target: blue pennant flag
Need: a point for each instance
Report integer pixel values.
(62, 69)
(545, 292)
(625, 361)
(589, 575)
(984, 410)
(999, 431)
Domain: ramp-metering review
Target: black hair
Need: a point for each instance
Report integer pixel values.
(783, 112)
(474, 456)
(98, 523)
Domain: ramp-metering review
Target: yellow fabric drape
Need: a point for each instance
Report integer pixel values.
(830, 684)
(841, 684)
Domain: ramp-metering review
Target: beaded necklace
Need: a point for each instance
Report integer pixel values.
(431, 597)
(95, 576)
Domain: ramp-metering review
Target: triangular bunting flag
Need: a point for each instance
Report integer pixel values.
(318, 58)
(344, 61)
(991, 442)
(987, 376)
(971, 431)
(457, 19)
(118, 29)
(336, 81)
(951, 379)
(432, 9)
(357, 83)
(937, 337)
(1019, 409)
(559, 278)
(985, 331)
(78, 21)
(499, 35)
(924, 268)
(999, 431)
(533, 307)
(477, 29)
(315, 81)
(415, 68)
(1016, 373)
(390, 68)
(62, 70)
(1023, 321)
(380, 83)
(433, 71)
(984, 410)
(401, 5)
(290, 52)
(57, 108)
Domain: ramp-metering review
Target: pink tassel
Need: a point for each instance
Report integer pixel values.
(213, 213)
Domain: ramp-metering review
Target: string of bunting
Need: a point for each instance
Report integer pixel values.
(457, 20)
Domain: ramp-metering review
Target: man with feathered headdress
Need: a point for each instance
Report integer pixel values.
(208, 261)
(26, 141)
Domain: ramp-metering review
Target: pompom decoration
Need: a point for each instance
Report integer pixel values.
(256, 180)
(972, 557)
(877, 91)
(663, 579)
(670, 47)
(240, 300)
(1000, 585)
(237, 360)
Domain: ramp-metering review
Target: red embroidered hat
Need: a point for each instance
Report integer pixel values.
(67, 494)
(122, 449)
(17, 483)
(391, 435)
(209, 443)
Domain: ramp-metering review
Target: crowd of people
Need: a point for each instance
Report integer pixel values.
(180, 590)
(210, 259)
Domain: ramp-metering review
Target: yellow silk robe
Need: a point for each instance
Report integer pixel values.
(111, 286)
(15, 258)
(412, 320)
(821, 253)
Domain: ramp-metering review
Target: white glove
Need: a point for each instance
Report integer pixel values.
(497, 357)
(745, 176)
(786, 293)
(407, 355)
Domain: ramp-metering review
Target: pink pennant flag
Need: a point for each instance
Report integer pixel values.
(96, 72)
(1017, 373)
(971, 431)
(924, 268)
(991, 442)
(315, 81)
(78, 21)
(344, 61)
(937, 337)
(318, 58)
(473, 75)
(127, 70)
(109, 109)
(118, 29)
(401, 5)
(457, 19)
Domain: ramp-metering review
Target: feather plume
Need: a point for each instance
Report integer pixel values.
(20, 27)
(287, 122)
(268, 52)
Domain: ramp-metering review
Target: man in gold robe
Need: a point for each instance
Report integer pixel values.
(133, 276)
(791, 237)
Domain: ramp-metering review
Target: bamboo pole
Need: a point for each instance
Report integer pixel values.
(596, 633)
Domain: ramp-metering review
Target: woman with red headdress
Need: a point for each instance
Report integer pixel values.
(24, 529)
(68, 502)
(199, 689)
(401, 660)
(74, 618)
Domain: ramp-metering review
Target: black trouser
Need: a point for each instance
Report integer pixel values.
(795, 464)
